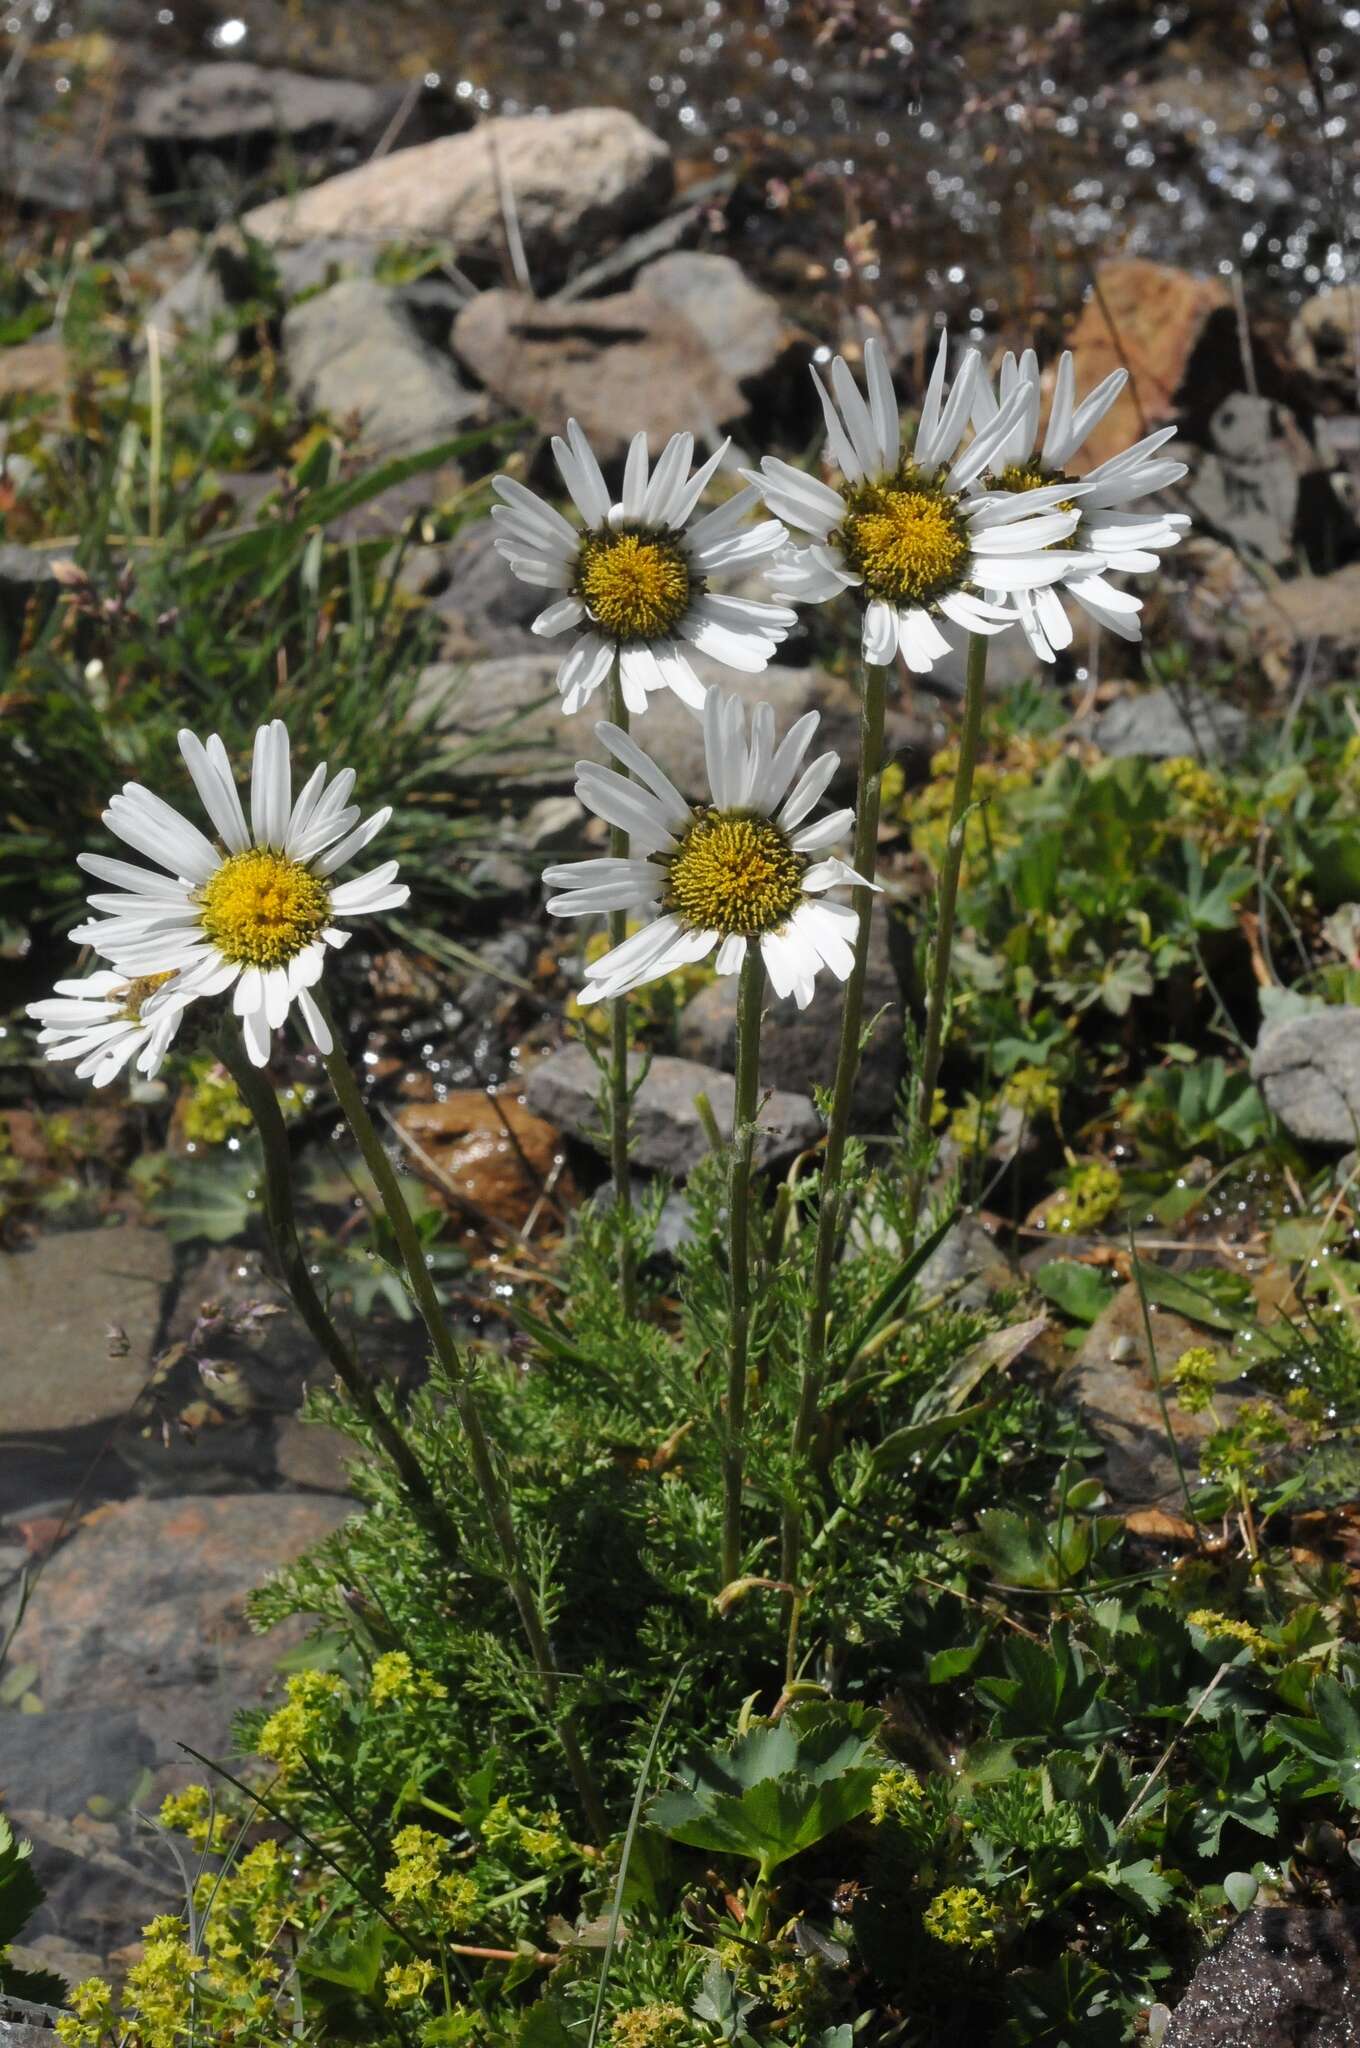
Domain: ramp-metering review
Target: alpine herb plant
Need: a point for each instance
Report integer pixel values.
(626, 1649)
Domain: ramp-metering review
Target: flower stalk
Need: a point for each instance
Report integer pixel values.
(937, 991)
(868, 797)
(750, 997)
(480, 1456)
(619, 839)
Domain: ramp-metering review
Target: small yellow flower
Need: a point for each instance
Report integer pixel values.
(288, 1733)
(190, 1813)
(541, 1837)
(395, 1677)
(962, 1917)
(90, 2015)
(895, 1793)
(1195, 1375)
(1092, 1192)
(405, 1983)
(1222, 1628)
(650, 2026)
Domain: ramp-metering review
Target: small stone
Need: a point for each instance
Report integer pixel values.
(965, 1270)
(797, 1051)
(500, 878)
(1308, 1070)
(1283, 1976)
(35, 368)
(742, 327)
(577, 178)
(312, 1457)
(1153, 320)
(616, 365)
(1164, 724)
(553, 825)
(1248, 486)
(514, 703)
(59, 1300)
(229, 102)
(352, 350)
(1323, 337)
(666, 1134)
(1303, 613)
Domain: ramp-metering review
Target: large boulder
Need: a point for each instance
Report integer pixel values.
(1285, 1977)
(666, 1133)
(512, 704)
(1308, 1070)
(352, 350)
(742, 327)
(1163, 725)
(576, 179)
(79, 1313)
(233, 104)
(615, 364)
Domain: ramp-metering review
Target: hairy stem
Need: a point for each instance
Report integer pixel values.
(937, 992)
(618, 1051)
(750, 994)
(484, 1469)
(867, 797)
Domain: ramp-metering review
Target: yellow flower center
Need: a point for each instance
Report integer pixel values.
(734, 874)
(636, 586)
(261, 908)
(1031, 476)
(138, 990)
(905, 537)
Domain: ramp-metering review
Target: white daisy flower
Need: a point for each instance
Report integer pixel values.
(99, 1022)
(253, 911)
(1120, 537)
(746, 869)
(901, 527)
(632, 582)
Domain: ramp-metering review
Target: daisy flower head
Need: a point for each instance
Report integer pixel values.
(631, 582)
(746, 869)
(254, 909)
(1120, 537)
(99, 1022)
(903, 528)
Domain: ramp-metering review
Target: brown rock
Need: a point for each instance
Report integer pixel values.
(490, 1149)
(1285, 1977)
(1151, 319)
(1113, 1386)
(742, 327)
(1292, 615)
(1323, 337)
(576, 178)
(614, 364)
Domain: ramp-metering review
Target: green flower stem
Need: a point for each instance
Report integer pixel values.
(867, 800)
(260, 1099)
(618, 1051)
(937, 994)
(750, 995)
(489, 1484)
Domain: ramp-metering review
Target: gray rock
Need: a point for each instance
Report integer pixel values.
(553, 825)
(616, 364)
(139, 1643)
(1308, 1070)
(23, 2025)
(1323, 336)
(1163, 724)
(797, 1047)
(502, 878)
(513, 704)
(26, 573)
(577, 178)
(1248, 485)
(59, 1302)
(485, 607)
(1303, 613)
(352, 350)
(204, 106)
(1285, 1977)
(743, 327)
(44, 169)
(665, 1134)
(644, 247)
(312, 1457)
(966, 1268)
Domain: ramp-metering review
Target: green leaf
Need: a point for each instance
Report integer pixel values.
(1330, 1736)
(210, 1198)
(1141, 1884)
(20, 1893)
(1175, 1291)
(352, 1961)
(544, 2027)
(1240, 1889)
(776, 1790)
(1080, 1291)
(891, 1296)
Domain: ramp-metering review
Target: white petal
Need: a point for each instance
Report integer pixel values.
(216, 789)
(558, 616)
(879, 639)
(255, 1031)
(882, 404)
(583, 670)
(673, 807)
(336, 856)
(634, 479)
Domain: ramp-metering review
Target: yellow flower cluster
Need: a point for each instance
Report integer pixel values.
(650, 2026)
(295, 1728)
(420, 1877)
(405, 1983)
(895, 1793)
(1091, 1193)
(962, 1917)
(396, 1678)
(541, 1837)
(155, 2005)
(1222, 1628)
(190, 1813)
(1194, 1376)
(90, 2016)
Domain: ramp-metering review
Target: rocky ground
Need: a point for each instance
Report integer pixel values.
(595, 264)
